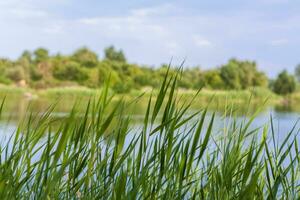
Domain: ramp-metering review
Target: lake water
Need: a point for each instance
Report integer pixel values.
(17, 107)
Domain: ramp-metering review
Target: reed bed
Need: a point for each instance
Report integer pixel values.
(175, 154)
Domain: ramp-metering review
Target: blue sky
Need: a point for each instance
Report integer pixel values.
(205, 33)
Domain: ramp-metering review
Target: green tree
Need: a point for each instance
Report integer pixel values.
(123, 87)
(41, 55)
(213, 79)
(230, 75)
(242, 75)
(284, 84)
(297, 72)
(85, 57)
(3, 69)
(144, 77)
(112, 54)
(105, 71)
(70, 71)
(26, 56)
(34, 74)
(247, 72)
(260, 79)
(16, 73)
(191, 78)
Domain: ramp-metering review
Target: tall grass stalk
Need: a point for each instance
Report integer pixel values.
(99, 155)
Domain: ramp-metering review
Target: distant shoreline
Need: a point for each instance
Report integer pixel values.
(218, 97)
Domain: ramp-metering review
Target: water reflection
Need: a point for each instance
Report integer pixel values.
(17, 107)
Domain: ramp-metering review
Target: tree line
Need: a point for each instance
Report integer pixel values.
(39, 69)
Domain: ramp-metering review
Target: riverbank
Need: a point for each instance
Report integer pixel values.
(217, 98)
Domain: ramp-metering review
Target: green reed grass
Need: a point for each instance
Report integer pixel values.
(173, 155)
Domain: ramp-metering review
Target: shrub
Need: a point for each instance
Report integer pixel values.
(41, 55)
(284, 84)
(123, 87)
(213, 79)
(297, 72)
(242, 75)
(112, 54)
(16, 74)
(230, 75)
(35, 75)
(85, 57)
(70, 71)
(4, 80)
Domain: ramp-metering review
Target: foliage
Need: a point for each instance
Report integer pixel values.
(114, 55)
(241, 75)
(71, 71)
(35, 75)
(284, 84)
(230, 75)
(16, 73)
(297, 72)
(85, 57)
(213, 79)
(40, 55)
(83, 67)
(27, 55)
(180, 155)
(4, 80)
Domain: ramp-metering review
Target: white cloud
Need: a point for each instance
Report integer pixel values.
(54, 29)
(201, 42)
(164, 9)
(17, 9)
(90, 21)
(279, 42)
(28, 13)
(130, 26)
(173, 48)
(274, 1)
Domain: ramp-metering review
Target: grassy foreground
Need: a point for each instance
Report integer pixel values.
(174, 155)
